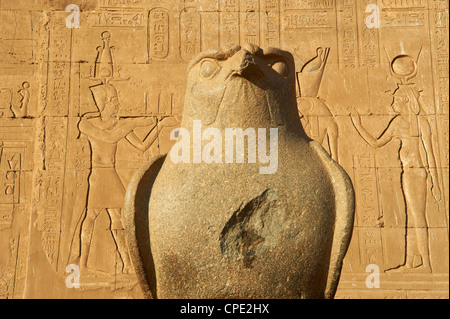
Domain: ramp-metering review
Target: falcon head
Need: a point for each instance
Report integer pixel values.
(241, 84)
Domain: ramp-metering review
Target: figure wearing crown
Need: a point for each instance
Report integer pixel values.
(103, 130)
(411, 127)
(317, 119)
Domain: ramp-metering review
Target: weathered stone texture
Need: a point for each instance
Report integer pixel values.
(373, 92)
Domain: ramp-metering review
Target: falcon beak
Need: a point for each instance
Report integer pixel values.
(244, 65)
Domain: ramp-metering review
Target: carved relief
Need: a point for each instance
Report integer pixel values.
(15, 105)
(103, 130)
(250, 31)
(317, 119)
(124, 69)
(124, 19)
(158, 32)
(15, 155)
(348, 35)
(21, 110)
(229, 23)
(270, 23)
(53, 185)
(5, 102)
(190, 33)
(411, 127)
(369, 38)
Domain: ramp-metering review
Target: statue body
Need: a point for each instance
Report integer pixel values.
(218, 229)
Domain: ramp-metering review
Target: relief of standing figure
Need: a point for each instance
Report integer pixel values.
(106, 191)
(22, 109)
(103, 130)
(411, 128)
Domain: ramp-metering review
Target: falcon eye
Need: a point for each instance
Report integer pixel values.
(208, 69)
(281, 68)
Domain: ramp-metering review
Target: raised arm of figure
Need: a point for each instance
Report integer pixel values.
(145, 144)
(88, 128)
(121, 130)
(375, 142)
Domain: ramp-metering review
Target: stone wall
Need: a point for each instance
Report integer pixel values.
(375, 57)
